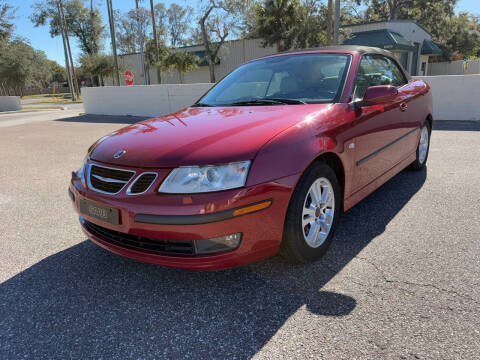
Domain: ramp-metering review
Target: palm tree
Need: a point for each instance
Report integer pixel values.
(182, 62)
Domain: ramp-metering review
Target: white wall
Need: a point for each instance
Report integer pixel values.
(10, 103)
(455, 97)
(459, 67)
(151, 100)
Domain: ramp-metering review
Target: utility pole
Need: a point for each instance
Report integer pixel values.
(336, 22)
(67, 65)
(114, 43)
(155, 39)
(140, 38)
(65, 31)
(71, 83)
(329, 22)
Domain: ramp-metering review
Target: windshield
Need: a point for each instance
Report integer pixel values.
(289, 79)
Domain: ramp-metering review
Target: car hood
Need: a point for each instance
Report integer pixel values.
(200, 135)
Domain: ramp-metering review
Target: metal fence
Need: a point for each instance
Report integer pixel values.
(469, 67)
(18, 91)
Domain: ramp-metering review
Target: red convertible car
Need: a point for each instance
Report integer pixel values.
(265, 161)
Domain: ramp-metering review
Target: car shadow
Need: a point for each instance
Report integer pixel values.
(105, 119)
(456, 125)
(85, 302)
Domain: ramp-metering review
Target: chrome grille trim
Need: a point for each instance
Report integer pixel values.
(108, 179)
(137, 178)
(104, 179)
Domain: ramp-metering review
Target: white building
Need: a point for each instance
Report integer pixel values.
(409, 41)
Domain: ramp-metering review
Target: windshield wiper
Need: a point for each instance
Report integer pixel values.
(288, 101)
(268, 101)
(199, 104)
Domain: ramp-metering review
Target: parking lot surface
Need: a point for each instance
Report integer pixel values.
(400, 281)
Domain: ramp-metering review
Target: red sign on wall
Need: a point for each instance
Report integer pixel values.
(129, 78)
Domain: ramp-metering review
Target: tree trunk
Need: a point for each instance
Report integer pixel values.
(155, 39)
(180, 76)
(393, 7)
(211, 69)
(206, 43)
(74, 76)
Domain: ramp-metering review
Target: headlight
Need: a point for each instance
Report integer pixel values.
(81, 173)
(200, 179)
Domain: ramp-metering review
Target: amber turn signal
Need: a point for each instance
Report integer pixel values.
(252, 208)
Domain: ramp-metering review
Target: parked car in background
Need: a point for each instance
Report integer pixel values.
(265, 161)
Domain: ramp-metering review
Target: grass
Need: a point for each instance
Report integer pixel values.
(52, 99)
(62, 95)
(38, 108)
(57, 101)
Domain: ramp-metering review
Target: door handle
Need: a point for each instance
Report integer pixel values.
(403, 106)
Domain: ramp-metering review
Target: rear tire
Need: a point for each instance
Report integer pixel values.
(312, 215)
(422, 149)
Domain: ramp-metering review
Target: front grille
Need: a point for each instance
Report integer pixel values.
(142, 183)
(156, 246)
(108, 180)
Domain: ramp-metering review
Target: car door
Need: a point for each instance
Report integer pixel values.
(381, 128)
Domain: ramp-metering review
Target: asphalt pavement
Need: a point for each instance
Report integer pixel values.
(400, 281)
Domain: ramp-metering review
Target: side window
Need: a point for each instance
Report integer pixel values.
(377, 70)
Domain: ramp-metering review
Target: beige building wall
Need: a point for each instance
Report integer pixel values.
(233, 54)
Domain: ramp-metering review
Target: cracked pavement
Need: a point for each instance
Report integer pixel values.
(400, 281)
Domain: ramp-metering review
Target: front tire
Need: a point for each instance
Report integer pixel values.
(422, 149)
(312, 215)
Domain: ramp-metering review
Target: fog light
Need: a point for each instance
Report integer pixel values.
(219, 244)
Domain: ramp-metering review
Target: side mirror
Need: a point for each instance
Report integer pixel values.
(379, 94)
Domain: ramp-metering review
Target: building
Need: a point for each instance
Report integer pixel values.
(410, 42)
(231, 55)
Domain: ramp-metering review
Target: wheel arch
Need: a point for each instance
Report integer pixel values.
(334, 162)
(429, 119)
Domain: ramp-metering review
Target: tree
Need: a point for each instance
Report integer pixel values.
(6, 25)
(218, 19)
(311, 25)
(247, 24)
(405, 9)
(463, 39)
(83, 23)
(100, 65)
(57, 72)
(276, 20)
(161, 20)
(128, 36)
(181, 61)
(387, 9)
(178, 26)
(21, 65)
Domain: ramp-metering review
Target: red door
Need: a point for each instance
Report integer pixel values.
(384, 131)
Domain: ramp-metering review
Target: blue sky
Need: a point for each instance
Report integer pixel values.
(40, 37)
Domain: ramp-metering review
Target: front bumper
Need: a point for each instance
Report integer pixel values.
(190, 218)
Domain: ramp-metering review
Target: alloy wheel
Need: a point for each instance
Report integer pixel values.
(318, 212)
(423, 145)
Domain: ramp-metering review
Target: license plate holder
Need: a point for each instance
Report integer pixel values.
(100, 212)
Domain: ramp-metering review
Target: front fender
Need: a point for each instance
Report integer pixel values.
(293, 150)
